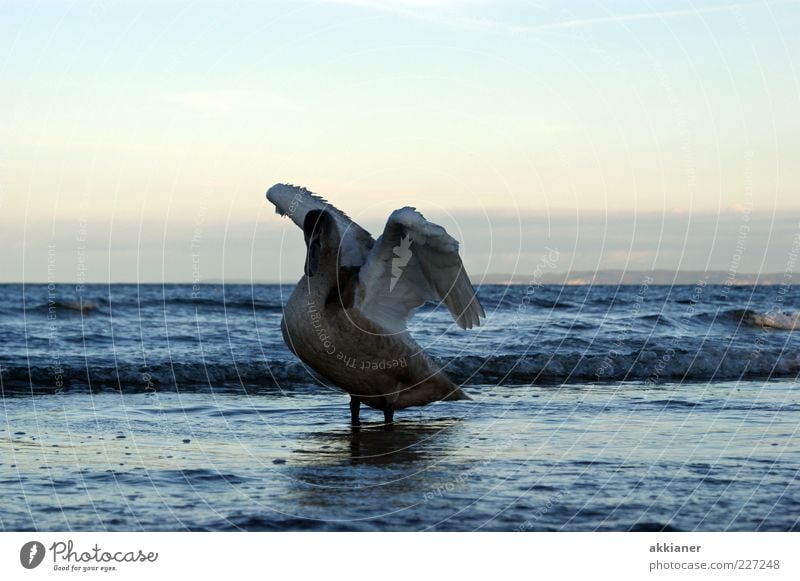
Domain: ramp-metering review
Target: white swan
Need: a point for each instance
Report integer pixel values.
(347, 318)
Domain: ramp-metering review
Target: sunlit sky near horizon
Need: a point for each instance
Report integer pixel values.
(140, 125)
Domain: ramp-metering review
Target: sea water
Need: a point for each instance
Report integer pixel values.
(178, 407)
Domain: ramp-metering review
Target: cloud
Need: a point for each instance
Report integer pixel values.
(657, 15)
(452, 13)
(266, 247)
(405, 4)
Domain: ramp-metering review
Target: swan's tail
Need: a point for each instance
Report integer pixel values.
(436, 388)
(456, 394)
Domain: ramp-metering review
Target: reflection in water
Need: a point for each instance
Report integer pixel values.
(401, 443)
(338, 476)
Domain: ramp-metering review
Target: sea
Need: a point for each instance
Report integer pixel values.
(643, 407)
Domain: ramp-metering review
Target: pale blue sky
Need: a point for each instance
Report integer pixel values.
(136, 121)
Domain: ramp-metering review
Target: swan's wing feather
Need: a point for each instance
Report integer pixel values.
(295, 202)
(414, 261)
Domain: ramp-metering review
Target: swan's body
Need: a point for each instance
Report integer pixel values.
(347, 317)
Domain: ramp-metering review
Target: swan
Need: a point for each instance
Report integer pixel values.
(347, 318)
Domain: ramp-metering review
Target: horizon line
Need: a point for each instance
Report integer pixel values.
(732, 278)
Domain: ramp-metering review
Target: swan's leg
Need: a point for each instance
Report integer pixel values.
(388, 415)
(355, 409)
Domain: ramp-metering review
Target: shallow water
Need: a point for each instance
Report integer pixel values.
(685, 456)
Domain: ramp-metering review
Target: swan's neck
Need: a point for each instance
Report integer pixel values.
(323, 281)
(332, 286)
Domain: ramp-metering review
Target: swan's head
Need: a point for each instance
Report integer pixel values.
(319, 229)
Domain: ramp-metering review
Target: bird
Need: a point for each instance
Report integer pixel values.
(347, 318)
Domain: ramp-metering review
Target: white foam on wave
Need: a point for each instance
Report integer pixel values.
(776, 320)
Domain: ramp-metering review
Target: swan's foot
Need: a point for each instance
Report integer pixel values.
(388, 415)
(355, 411)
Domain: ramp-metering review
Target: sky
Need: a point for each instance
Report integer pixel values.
(137, 139)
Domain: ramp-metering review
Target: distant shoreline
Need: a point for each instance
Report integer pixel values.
(574, 278)
(637, 277)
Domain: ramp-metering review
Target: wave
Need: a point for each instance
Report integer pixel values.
(82, 307)
(772, 320)
(220, 303)
(552, 304)
(650, 366)
(188, 376)
(88, 307)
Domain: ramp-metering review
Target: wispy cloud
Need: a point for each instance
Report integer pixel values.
(405, 4)
(633, 17)
(453, 13)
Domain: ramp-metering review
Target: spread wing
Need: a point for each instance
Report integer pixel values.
(412, 262)
(296, 202)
